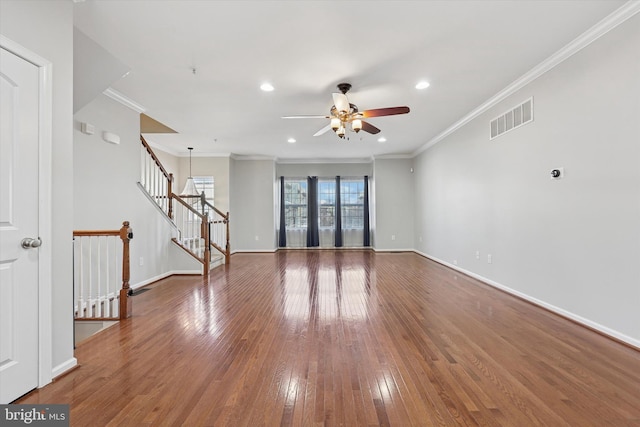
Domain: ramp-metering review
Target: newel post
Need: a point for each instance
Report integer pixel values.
(126, 234)
(204, 233)
(227, 255)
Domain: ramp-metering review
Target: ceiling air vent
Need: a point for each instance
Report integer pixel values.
(516, 117)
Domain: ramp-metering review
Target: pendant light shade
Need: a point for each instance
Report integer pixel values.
(190, 186)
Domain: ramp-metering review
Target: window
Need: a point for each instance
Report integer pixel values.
(352, 203)
(296, 231)
(295, 201)
(326, 203)
(206, 184)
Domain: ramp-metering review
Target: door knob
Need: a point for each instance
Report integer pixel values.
(28, 243)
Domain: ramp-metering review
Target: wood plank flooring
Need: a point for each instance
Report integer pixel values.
(344, 338)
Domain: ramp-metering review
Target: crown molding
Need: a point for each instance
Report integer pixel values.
(177, 153)
(366, 160)
(394, 157)
(124, 100)
(251, 157)
(207, 154)
(607, 24)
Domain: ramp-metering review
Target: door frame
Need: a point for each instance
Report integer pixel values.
(45, 129)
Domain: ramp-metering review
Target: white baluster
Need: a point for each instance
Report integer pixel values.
(80, 291)
(99, 288)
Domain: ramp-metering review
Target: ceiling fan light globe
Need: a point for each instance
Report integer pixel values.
(356, 125)
(335, 124)
(341, 131)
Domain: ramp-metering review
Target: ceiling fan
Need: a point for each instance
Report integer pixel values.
(344, 113)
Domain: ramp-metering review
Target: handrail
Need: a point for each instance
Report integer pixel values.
(204, 233)
(125, 307)
(77, 233)
(225, 220)
(203, 200)
(154, 157)
(188, 206)
(156, 180)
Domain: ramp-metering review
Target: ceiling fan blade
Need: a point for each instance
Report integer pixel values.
(341, 102)
(391, 111)
(323, 130)
(369, 128)
(305, 117)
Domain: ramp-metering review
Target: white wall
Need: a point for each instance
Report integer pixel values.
(571, 244)
(252, 217)
(323, 170)
(393, 194)
(105, 190)
(171, 164)
(46, 28)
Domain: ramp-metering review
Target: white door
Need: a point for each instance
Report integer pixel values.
(19, 127)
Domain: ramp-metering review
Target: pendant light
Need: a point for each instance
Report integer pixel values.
(190, 186)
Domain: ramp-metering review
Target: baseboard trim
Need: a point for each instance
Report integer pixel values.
(151, 280)
(248, 251)
(164, 276)
(392, 250)
(589, 324)
(64, 367)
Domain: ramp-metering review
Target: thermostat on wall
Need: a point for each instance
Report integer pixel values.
(557, 173)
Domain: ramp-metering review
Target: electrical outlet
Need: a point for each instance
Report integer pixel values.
(477, 254)
(141, 262)
(393, 237)
(455, 262)
(489, 259)
(257, 238)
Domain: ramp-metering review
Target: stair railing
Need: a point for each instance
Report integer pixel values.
(155, 179)
(193, 230)
(218, 228)
(100, 292)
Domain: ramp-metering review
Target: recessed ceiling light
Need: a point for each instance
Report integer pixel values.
(267, 87)
(422, 84)
(382, 139)
(291, 140)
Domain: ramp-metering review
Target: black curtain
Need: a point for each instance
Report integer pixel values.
(313, 238)
(282, 236)
(338, 215)
(366, 240)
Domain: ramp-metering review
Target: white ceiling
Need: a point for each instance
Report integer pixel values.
(467, 50)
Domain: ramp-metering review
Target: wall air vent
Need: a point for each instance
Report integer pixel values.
(515, 117)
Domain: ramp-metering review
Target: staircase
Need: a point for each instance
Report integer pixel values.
(202, 229)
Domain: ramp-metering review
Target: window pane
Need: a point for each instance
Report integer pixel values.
(352, 203)
(295, 201)
(206, 184)
(326, 203)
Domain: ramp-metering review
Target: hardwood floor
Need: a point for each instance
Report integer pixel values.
(351, 338)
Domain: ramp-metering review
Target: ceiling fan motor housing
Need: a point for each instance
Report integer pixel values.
(344, 87)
